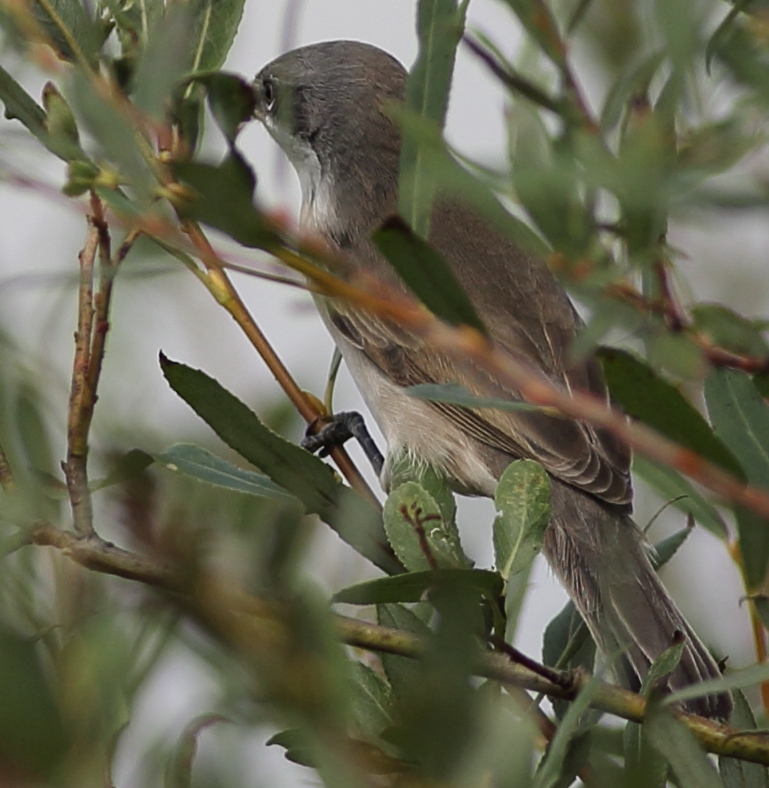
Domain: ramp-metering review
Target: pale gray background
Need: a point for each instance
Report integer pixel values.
(41, 234)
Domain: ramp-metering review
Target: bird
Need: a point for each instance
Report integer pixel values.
(327, 106)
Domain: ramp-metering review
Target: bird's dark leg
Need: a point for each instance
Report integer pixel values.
(340, 428)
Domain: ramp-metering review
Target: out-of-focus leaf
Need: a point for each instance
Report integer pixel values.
(761, 601)
(730, 330)
(522, 499)
(370, 701)
(402, 672)
(455, 394)
(631, 83)
(130, 465)
(200, 464)
(33, 736)
(411, 587)
(440, 24)
(540, 24)
(19, 105)
(678, 746)
(294, 741)
(417, 532)
(567, 737)
(645, 396)
(738, 50)
(734, 772)
(166, 58)
(179, 769)
(740, 418)
(69, 27)
(231, 99)
(224, 200)
(425, 271)
(114, 134)
(289, 466)
(671, 485)
(738, 679)
(567, 644)
(453, 181)
(215, 22)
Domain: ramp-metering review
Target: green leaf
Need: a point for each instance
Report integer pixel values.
(672, 486)
(114, 133)
(440, 24)
(402, 672)
(729, 330)
(179, 769)
(413, 586)
(569, 731)
(666, 548)
(417, 532)
(405, 468)
(216, 22)
(128, 466)
(738, 679)
(370, 701)
(224, 200)
(19, 105)
(455, 394)
(736, 773)
(201, 464)
(663, 666)
(232, 101)
(69, 27)
(678, 746)
(567, 644)
(522, 499)
(294, 741)
(289, 466)
(645, 396)
(741, 420)
(426, 273)
(34, 738)
(166, 58)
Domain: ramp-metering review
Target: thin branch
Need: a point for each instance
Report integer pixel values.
(239, 607)
(221, 287)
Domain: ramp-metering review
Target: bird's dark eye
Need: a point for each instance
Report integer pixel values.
(270, 92)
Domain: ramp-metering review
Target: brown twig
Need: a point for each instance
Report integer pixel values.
(220, 284)
(90, 340)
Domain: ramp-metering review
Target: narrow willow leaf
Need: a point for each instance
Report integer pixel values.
(666, 548)
(224, 200)
(69, 26)
(455, 394)
(411, 587)
(522, 499)
(199, 463)
(738, 679)
(678, 746)
(289, 466)
(216, 23)
(179, 769)
(549, 773)
(129, 466)
(231, 99)
(166, 58)
(672, 486)
(426, 273)
(645, 396)
(402, 672)
(370, 701)
(736, 773)
(440, 24)
(740, 418)
(417, 532)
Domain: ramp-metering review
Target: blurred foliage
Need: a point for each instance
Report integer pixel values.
(684, 103)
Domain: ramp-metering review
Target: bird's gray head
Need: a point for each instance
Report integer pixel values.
(324, 104)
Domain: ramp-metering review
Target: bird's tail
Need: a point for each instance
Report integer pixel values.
(601, 557)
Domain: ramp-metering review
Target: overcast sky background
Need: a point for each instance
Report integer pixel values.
(41, 235)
